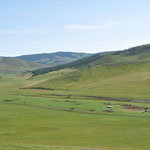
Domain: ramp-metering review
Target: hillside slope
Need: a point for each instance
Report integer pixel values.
(131, 81)
(53, 59)
(132, 55)
(15, 66)
(116, 74)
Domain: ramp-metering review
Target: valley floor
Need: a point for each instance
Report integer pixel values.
(36, 119)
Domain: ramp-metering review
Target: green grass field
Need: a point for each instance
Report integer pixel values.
(129, 81)
(62, 119)
(57, 125)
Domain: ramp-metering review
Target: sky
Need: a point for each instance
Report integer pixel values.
(91, 26)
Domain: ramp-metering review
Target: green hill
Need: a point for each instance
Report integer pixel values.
(123, 74)
(132, 55)
(53, 59)
(14, 66)
(64, 108)
(126, 81)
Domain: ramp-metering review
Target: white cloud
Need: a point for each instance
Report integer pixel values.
(23, 31)
(107, 25)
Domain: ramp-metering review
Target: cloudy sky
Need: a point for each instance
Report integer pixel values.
(45, 26)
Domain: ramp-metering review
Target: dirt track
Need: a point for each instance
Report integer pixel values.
(134, 107)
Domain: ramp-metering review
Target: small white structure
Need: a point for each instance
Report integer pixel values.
(109, 106)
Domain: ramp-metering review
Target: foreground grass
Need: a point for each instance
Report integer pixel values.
(29, 125)
(37, 120)
(6, 146)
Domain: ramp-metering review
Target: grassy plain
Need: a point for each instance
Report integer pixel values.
(62, 119)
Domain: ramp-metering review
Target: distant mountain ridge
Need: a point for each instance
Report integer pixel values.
(20, 64)
(10, 65)
(54, 59)
(131, 55)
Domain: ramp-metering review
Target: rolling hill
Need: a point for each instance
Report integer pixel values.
(18, 65)
(54, 59)
(124, 74)
(131, 55)
(14, 66)
(126, 81)
(76, 99)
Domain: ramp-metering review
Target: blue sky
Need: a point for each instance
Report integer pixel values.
(45, 26)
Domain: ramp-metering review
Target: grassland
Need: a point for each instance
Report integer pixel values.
(127, 81)
(43, 121)
(63, 118)
(67, 109)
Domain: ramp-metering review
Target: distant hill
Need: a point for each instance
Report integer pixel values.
(123, 74)
(129, 81)
(15, 66)
(131, 55)
(54, 59)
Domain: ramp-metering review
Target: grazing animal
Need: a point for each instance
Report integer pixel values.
(109, 106)
(146, 109)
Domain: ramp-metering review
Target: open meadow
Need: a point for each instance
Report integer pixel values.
(74, 75)
(48, 119)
